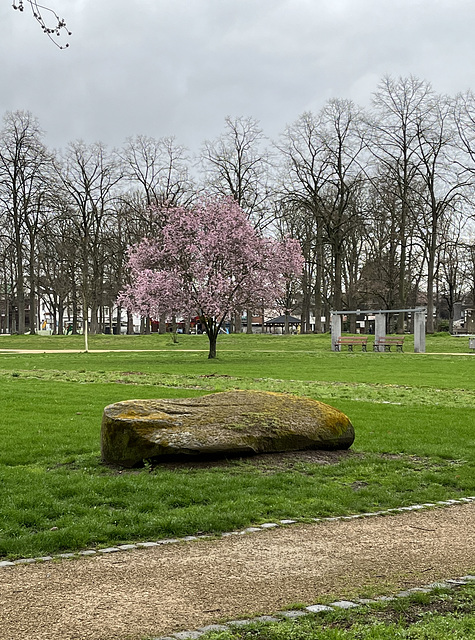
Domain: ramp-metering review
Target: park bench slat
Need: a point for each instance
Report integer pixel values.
(389, 341)
(351, 341)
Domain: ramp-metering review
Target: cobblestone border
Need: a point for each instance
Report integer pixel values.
(317, 608)
(261, 527)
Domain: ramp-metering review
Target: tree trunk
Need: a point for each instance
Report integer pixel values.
(305, 318)
(75, 307)
(451, 324)
(211, 327)
(130, 323)
(318, 282)
(305, 306)
(32, 289)
(430, 301)
(318, 307)
(60, 317)
(119, 319)
(33, 310)
(337, 288)
(238, 321)
(148, 327)
(20, 282)
(20, 328)
(75, 330)
(402, 274)
(249, 321)
(162, 325)
(431, 273)
(213, 339)
(54, 319)
(6, 326)
(93, 324)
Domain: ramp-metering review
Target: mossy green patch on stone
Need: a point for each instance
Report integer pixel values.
(228, 423)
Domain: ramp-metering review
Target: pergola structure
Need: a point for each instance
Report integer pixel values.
(380, 324)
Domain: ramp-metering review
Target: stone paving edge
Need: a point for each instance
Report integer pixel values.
(316, 608)
(246, 531)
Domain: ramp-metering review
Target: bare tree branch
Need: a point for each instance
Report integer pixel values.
(48, 19)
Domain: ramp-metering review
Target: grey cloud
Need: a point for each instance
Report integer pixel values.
(178, 68)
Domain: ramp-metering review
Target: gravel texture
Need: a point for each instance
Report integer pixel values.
(161, 590)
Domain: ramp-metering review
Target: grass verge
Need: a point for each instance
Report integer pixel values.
(436, 616)
(413, 417)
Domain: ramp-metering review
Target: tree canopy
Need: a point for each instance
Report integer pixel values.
(209, 261)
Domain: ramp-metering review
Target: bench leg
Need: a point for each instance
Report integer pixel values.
(363, 347)
(350, 347)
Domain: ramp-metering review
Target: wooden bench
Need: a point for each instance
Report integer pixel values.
(386, 342)
(350, 342)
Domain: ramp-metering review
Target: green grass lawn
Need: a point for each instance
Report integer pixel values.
(413, 416)
(437, 343)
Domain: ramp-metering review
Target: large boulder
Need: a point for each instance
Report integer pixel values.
(220, 424)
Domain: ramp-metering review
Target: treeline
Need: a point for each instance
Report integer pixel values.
(381, 201)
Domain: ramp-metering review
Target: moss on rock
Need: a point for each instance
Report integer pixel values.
(228, 423)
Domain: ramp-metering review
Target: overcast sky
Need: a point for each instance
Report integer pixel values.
(179, 67)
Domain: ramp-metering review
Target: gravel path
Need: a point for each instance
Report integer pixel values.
(163, 589)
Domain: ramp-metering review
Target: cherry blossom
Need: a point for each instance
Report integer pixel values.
(211, 262)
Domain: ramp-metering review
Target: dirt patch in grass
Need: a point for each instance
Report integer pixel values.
(413, 612)
(269, 463)
(266, 462)
(289, 460)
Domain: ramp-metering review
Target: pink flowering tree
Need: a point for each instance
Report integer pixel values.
(209, 261)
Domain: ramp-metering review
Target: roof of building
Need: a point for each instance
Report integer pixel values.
(282, 319)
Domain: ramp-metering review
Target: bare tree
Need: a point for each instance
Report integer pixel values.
(160, 168)
(464, 120)
(343, 138)
(378, 282)
(24, 171)
(58, 261)
(443, 183)
(237, 164)
(159, 176)
(355, 252)
(399, 105)
(302, 178)
(454, 265)
(323, 157)
(7, 273)
(296, 221)
(89, 176)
